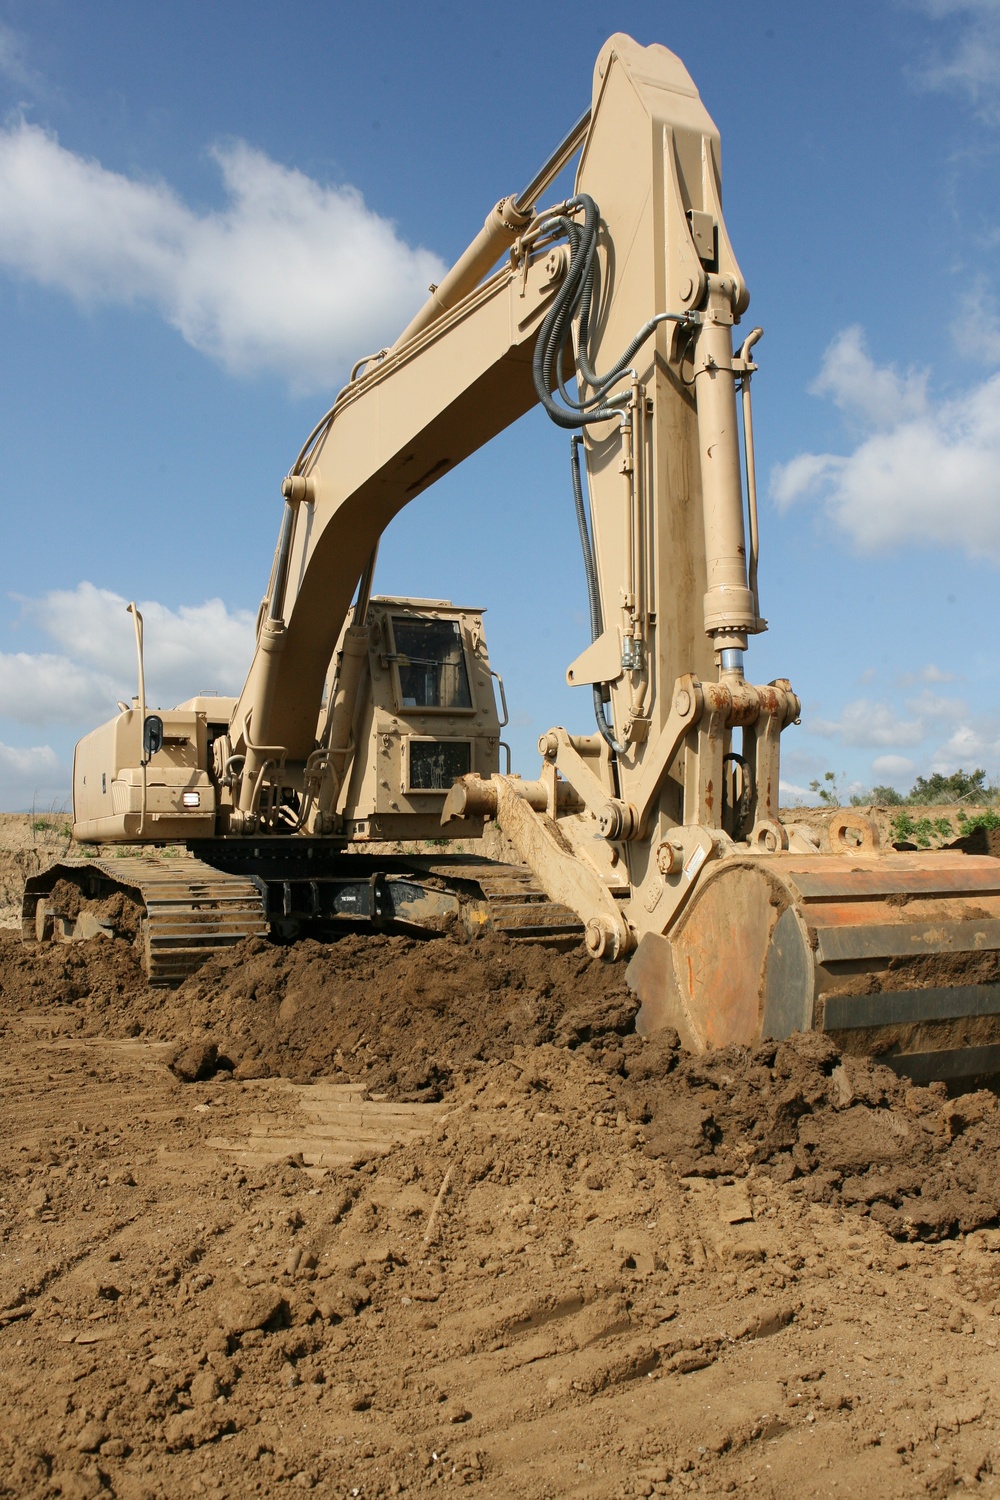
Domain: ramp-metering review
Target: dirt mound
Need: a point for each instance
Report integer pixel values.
(839, 1129)
(412, 1020)
(398, 1014)
(516, 1300)
(597, 1267)
(101, 977)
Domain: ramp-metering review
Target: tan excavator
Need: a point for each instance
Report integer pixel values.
(656, 837)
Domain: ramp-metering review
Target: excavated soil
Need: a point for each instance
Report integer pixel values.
(381, 1216)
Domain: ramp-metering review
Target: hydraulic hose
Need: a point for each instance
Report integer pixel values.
(573, 302)
(593, 594)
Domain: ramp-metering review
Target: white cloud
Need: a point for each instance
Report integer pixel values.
(803, 475)
(878, 396)
(971, 744)
(932, 708)
(39, 760)
(34, 774)
(46, 689)
(186, 651)
(896, 767)
(793, 796)
(930, 674)
(14, 66)
(866, 723)
(976, 329)
(928, 474)
(290, 276)
(972, 65)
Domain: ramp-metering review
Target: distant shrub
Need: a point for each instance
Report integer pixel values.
(903, 827)
(959, 786)
(886, 796)
(985, 820)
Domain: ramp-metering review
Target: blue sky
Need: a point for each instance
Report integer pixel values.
(207, 212)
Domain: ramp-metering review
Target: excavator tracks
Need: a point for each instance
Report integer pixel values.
(513, 903)
(186, 910)
(182, 911)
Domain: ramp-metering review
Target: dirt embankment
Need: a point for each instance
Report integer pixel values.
(411, 1020)
(910, 826)
(27, 844)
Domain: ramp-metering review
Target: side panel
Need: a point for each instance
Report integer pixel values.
(180, 799)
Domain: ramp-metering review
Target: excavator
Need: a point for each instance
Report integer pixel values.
(655, 838)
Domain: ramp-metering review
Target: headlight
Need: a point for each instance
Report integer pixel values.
(191, 799)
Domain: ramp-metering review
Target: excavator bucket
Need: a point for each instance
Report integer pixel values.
(896, 955)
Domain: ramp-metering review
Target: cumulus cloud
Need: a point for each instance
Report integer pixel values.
(26, 763)
(976, 330)
(932, 708)
(32, 774)
(877, 396)
(290, 276)
(204, 647)
(41, 688)
(970, 62)
(931, 675)
(14, 65)
(864, 722)
(972, 743)
(896, 767)
(806, 474)
(792, 794)
(943, 734)
(924, 473)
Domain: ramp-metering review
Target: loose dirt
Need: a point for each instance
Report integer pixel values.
(381, 1216)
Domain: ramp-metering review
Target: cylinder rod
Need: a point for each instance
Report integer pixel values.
(729, 611)
(525, 200)
(502, 227)
(281, 564)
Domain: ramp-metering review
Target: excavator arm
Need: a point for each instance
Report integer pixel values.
(668, 548)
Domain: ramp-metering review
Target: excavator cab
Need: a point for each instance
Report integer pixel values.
(425, 715)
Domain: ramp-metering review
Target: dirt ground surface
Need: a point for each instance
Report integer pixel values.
(383, 1216)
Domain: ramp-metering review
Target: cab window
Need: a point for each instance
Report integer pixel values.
(431, 664)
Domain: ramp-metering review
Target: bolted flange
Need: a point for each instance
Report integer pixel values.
(296, 488)
(602, 938)
(618, 820)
